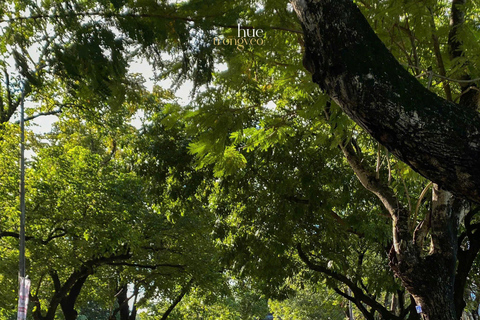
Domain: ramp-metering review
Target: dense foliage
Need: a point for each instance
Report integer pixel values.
(240, 202)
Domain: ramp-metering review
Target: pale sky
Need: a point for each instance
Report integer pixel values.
(44, 124)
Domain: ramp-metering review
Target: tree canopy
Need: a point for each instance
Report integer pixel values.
(329, 167)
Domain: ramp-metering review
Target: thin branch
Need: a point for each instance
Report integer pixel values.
(40, 114)
(457, 18)
(368, 315)
(358, 292)
(384, 193)
(403, 248)
(436, 75)
(438, 55)
(342, 222)
(146, 266)
(389, 166)
(419, 202)
(467, 91)
(332, 214)
(53, 235)
(370, 181)
(421, 231)
(411, 35)
(379, 162)
(137, 15)
(11, 108)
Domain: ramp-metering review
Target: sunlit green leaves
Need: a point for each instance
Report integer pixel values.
(248, 169)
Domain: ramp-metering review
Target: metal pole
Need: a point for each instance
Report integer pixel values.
(350, 309)
(22, 189)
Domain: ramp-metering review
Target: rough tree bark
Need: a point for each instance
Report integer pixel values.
(437, 138)
(428, 277)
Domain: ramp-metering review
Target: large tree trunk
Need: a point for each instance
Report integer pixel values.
(437, 138)
(431, 285)
(122, 299)
(428, 276)
(123, 304)
(68, 303)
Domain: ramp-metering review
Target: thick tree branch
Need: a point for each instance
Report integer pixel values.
(444, 221)
(68, 303)
(53, 235)
(368, 315)
(370, 181)
(12, 234)
(123, 304)
(402, 240)
(421, 231)
(70, 289)
(437, 138)
(177, 300)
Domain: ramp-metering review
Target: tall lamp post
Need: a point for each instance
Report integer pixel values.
(24, 283)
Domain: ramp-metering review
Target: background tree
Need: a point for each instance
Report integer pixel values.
(108, 205)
